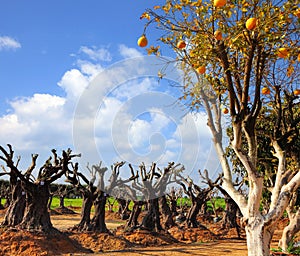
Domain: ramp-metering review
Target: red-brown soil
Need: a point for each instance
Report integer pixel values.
(176, 241)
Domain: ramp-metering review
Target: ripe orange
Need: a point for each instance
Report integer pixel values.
(219, 3)
(297, 92)
(265, 90)
(251, 23)
(297, 13)
(225, 111)
(142, 41)
(298, 58)
(201, 69)
(282, 52)
(181, 44)
(218, 35)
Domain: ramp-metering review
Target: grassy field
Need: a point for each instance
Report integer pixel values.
(218, 202)
(69, 202)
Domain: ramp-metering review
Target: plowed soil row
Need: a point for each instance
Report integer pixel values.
(176, 241)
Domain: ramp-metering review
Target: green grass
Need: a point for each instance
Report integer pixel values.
(218, 202)
(68, 202)
(3, 201)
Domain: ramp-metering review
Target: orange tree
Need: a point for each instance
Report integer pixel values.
(238, 58)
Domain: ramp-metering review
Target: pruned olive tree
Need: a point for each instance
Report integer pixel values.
(236, 56)
(29, 203)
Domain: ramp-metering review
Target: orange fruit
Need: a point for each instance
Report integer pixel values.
(219, 3)
(181, 44)
(201, 69)
(218, 35)
(265, 90)
(251, 23)
(225, 111)
(142, 41)
(298, 58)
(282, 52)
(297, 92)
(297, 13)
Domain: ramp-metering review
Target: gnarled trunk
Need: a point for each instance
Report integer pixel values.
(15, 211)
(133, 218)
(98, 221)
(36, 214)
(86, 207)
(229, 219)
(191, 219)
(166, 213)
(123, 210)
(151, 220)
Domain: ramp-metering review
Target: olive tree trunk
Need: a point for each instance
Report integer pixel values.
(15, 211)
(36, 215)
(98, 221)
(151, 220)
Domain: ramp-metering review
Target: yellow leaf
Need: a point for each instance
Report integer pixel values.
(290, 71)
(145, 15)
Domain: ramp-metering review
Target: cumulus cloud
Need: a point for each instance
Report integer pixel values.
(36, 123)
(128, 52)
(8, 43)
(133, 121)
(73, 82)
(96, 54)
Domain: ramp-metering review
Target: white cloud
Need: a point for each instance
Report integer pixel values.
(133, 122)
(127, 52)
(7, 43)
(36, 122)
(96, 54)
(134, 88)
(74, 83)
(89, 69)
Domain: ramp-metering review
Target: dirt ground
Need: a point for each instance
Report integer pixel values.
(177, 241)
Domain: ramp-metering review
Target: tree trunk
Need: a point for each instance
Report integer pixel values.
(123, 208)
(98, 221)
(87, 204)
(258, 237)
(36, 214)
(15, 211)
(166, 213)
(229, 219)
(62, 201)
(151, 220)
(290, 231)
(133, 218)
(50, 201)
(173, 202)
(191, 219)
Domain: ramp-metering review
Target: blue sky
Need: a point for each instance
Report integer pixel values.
(51, 54)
